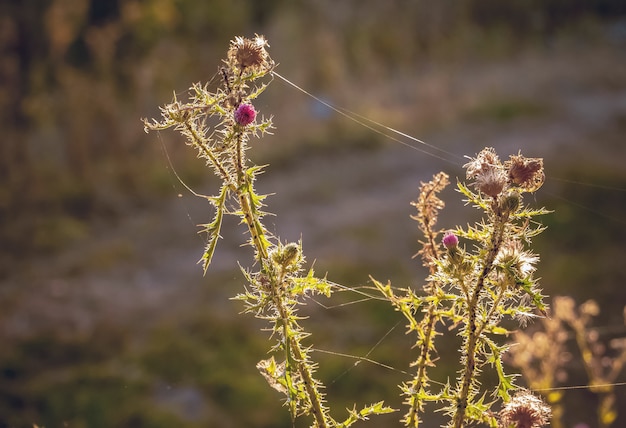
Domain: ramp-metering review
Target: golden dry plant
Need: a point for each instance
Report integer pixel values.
(545, 356)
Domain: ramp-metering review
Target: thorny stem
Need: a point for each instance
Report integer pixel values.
(293, 349)
(461, 280)
(214, 161)
(309, 383)
(412, 417)
(253, 226)
(240, 158)
(492, 310)
(244, 200)
(430, 235)
(243, 195)
(430, 254)
(473, 332)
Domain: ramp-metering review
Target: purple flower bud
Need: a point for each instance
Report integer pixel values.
(245, 114)
(450, 240)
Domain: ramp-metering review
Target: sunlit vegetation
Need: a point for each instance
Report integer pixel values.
(82, 348)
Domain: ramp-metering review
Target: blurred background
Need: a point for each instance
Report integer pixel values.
(105, 317)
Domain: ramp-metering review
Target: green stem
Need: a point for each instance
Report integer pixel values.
(240, 158)
(293, 349)
(492, 310)
(295, 353)
(472, 331)
(430, 255)
(243, 194)
(254, 226)
(198, 142)
(412, 418)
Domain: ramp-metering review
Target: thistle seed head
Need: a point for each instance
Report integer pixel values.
(525, 411)
(525, 173)
(246, 54)
(484, 162)
(488, 173)
(491, 182)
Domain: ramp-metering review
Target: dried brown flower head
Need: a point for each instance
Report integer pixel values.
(487, 160)
(491, 182)
(247, 54)
(525, 411)
(488, 172)
(526, 173)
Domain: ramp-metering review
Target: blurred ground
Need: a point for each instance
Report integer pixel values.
(119, 328)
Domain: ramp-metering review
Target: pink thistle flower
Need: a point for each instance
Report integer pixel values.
(450, 240)
(245, 114)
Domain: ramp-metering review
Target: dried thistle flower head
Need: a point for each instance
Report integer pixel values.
(525, 411)
(247, 54)
(491, 182)
(487, 160)
(525, 173)
(488, 173)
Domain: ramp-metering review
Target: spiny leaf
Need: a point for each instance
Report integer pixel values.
(254, 170)
(257, 91)
(273, 374)
(311, 283)
(505, 381)
(532, 213)
(472, 197)
(213, 228)
(537, 297)
(362, 415)
(479, 411)
(498, 330)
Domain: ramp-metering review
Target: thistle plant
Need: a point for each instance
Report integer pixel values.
(474, 290)
(276, 285)
(479, 276)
